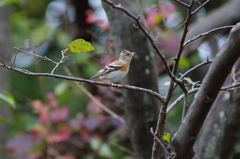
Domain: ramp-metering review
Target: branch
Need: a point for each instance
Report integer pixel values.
(212, 83)
(181, 44)
(44, 58)
(185, 106)
(26, 72)
(162, 115)
(179, 99)
(206, 33)
(226, 88)
(139, 25)
(196, 67)
(60, 62)
(224, 15)
(159, 141)
(200, 7)
(182, 3)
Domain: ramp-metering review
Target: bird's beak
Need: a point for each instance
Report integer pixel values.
(133, 53)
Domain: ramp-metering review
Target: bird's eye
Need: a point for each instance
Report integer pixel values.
(128, 54)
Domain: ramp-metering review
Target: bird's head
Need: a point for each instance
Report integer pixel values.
(126, 56)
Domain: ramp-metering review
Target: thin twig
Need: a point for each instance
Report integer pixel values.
(206, 33)
(159, 141)
(182, 3)
(179, 99)
(124, 149)
(200, 7)
(196, 67)
(60, 62)
(15, 56)
(226, 88)
(45, 58)
(177, 59)
(185, 30)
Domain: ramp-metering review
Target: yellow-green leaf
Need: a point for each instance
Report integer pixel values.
(167, 137)
(80, 45)
(184, 62)
(7, 99)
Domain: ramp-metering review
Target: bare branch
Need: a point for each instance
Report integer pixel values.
(185, 106)
(45, 58)
(200, 7)
(195, 68)
(60, 62)
(206, 33)
(185, 30)
(182, 3)
(162, 115)
(15, 56)
(148, 91)
(179, 99)
(159, 141)
(226, 88)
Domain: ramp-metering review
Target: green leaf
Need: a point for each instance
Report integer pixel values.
(166, 137)
(7, 99)
(80, 45)
(2, 120)
(158, 18)
(184, 62)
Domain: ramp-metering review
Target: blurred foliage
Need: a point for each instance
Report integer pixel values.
(8, 99)
(65, 120)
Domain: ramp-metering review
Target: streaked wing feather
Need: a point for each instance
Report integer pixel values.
(108, 68)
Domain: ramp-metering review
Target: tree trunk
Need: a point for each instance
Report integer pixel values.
(141, 110)
(80, 28)
(221, 129)
(5, 50)
(184, 139)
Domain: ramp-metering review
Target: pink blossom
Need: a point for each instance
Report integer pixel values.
(59, 115)
(37, 105)
(61, 135)
(50, 96)
(43, 116)
(166, 9)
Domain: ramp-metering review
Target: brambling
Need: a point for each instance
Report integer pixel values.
(116, 70)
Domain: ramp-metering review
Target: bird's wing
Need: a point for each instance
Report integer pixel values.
(107, 69)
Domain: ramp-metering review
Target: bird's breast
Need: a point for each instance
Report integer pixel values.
(114, 76)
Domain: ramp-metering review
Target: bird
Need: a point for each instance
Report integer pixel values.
(114, 71)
